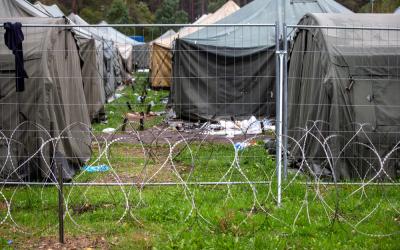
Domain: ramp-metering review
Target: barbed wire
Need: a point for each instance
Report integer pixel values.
(310, 185)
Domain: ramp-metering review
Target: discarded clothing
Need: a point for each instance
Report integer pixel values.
(13, 39)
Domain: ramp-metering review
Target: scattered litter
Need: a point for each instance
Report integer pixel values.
(185, 126)
(268, 125)
(251, 126)
(109, 130)
(230, 134)
(114, 97)
(111, 112)
(93, 169)
(9, 242)
(121, 87)
(230, 129)
(143, 70)
(160, 113)
(141, 99)
(152, 104)
(239, 146)
(170, 114)
(164, 101)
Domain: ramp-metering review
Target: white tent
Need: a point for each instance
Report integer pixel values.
(50, 10)
(114, 35)
(20, 8)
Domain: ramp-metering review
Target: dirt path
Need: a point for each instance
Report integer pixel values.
(162, 135)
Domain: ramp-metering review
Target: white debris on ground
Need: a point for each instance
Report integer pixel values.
(240, 146)
(230, 129)
(164, 101)
(114, 97)
(109, 130)
(117, 93)
(226, 128)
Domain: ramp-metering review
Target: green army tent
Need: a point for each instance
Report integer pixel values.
(162, 49)
(220, 72)
(48, 123)
(343, 86)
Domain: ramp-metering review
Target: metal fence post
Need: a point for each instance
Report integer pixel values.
(60, 203)
(60, 181)
(285, 101)
(278, 124)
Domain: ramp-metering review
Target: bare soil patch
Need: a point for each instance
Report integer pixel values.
(71, 242)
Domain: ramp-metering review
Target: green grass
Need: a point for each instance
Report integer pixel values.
(222, 218)
(117, 109)
(162, 218)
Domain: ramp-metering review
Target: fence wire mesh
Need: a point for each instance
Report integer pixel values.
(178, 133)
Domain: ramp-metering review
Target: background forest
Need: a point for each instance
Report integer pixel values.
(175, 11)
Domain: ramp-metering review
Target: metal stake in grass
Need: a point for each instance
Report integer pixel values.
(123, 128)
(148, 109)
(141, 122)
(129, 106)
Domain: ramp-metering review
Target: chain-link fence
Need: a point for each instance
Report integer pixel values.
(178, 132)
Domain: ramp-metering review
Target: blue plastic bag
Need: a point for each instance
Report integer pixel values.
(93, 169)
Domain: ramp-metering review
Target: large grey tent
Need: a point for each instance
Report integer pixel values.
(351, 78)
(93, 68)
(112, 68)
(89, 50)
(91, 53)
(219, 72)
(124, 46)
(48, 122)
(91, 61)
(141, 56)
